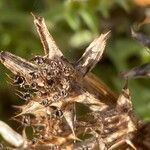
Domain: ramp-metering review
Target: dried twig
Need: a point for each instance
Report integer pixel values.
(144, 39)
(137, 72)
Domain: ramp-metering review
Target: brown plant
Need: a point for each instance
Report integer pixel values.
(55, 90)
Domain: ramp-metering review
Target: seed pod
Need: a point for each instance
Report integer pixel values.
(45, 102)
(39, 60)
(19, 80)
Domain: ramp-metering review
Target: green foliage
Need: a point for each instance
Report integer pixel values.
(74, 23)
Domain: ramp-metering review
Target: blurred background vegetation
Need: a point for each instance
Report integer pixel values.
(74, 24)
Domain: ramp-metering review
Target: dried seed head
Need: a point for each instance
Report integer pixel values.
(55, 85)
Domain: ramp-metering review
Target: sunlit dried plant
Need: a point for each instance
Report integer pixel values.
(55, 90)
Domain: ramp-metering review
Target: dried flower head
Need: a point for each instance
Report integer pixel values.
(55, 90)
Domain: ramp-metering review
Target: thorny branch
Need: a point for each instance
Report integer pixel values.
(58, 89)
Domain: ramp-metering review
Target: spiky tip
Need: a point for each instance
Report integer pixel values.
(92, 54)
